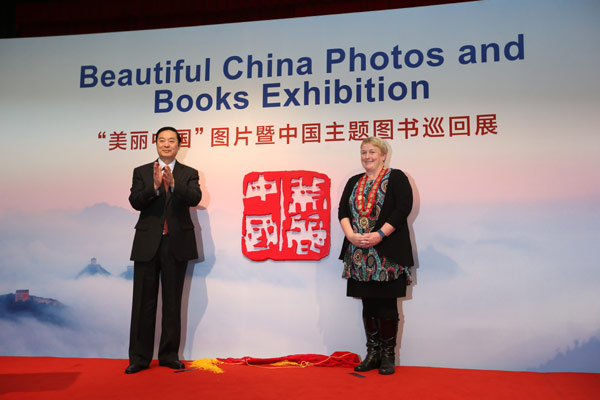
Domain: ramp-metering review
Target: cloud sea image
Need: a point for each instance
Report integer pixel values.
(488, 293)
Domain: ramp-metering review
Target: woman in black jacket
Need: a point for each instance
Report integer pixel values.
(377, 251)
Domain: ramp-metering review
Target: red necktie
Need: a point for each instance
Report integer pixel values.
(165, 228)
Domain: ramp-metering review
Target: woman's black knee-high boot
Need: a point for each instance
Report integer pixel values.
(373, 357)
(388, 331)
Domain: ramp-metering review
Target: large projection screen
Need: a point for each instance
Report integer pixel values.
(490, 108)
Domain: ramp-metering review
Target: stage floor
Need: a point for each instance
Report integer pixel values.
(85, 378)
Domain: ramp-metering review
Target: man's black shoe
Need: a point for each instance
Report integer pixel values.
(172, 364)
(133, 368)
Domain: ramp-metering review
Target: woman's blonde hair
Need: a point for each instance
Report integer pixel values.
(377, 142)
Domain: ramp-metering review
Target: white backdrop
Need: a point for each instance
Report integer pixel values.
(505, 221)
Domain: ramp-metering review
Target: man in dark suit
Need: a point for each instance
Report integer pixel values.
(163, 192)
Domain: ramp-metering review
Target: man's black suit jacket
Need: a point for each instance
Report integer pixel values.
(154, 208)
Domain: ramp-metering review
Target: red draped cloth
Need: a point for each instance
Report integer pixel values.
(336, 359)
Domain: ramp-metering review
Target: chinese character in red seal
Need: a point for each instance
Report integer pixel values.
(287, 215)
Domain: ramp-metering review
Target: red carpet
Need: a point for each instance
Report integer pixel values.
(83, 378)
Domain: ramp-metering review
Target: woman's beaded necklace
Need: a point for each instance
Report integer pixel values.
(363, 210)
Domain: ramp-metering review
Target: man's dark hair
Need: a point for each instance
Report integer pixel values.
(169, 128)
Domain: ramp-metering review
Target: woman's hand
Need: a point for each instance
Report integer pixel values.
(362, 240)
(356, 239)
(373, 239)
(365, 240)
